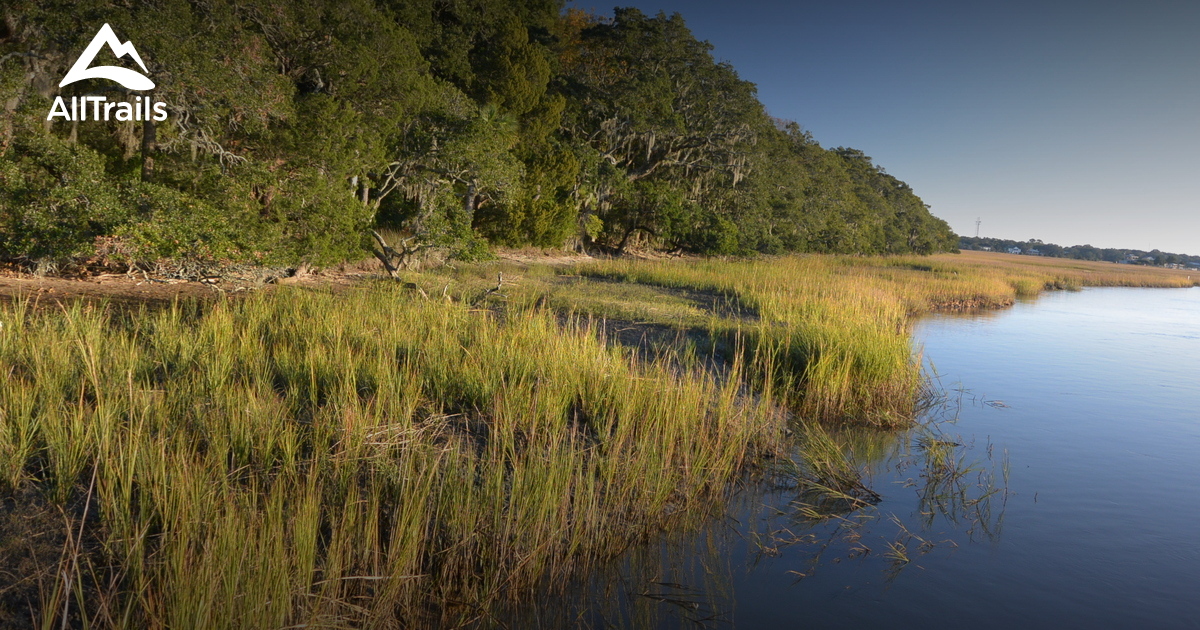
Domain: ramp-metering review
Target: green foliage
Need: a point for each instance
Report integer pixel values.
(296, 127)
(669, 126)
(172, 224)
(55, 198)
(513, 72)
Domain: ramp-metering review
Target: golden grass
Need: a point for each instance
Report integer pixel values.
(1065, 273)
(392, 457)
(832, 331)
(301, 458)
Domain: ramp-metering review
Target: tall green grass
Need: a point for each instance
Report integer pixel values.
(367, 459)
(833, 345)
(832, 333)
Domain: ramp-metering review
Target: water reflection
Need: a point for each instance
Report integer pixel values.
(880, 498)
(955, 490)
(1094, 393)
(683, 580)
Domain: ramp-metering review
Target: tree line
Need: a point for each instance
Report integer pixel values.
(295, 129)
(1079, 252)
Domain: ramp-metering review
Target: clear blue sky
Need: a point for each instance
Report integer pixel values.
(1072, 121)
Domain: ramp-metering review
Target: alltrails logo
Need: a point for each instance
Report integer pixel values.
(139, 110)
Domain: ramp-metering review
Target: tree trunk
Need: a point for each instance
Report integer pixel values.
(630, 232)
(149, 146)
(469, 203)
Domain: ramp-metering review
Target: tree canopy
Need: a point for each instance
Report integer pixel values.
(294, 129)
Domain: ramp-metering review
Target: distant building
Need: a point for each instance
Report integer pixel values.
(1033, 252)
(985, 248)
(1014, 250)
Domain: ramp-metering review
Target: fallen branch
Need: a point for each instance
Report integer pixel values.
(491, 291)
(385, 254)
(394, 259)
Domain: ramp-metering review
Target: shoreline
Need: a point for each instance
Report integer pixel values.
(131, 288)
(467, 433)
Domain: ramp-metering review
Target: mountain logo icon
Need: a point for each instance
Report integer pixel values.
(126, 77)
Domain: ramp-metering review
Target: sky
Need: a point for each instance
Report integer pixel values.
(1069, 121)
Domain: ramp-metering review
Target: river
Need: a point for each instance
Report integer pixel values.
(1067, 493)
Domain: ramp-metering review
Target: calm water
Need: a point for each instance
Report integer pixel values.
(1094, 400)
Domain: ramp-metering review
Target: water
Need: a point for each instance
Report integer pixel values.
(1093, 398)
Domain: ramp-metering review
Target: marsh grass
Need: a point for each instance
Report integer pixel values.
(301, 458)
(828, 476)
(429, 451)
(830, 334)
(954, 487)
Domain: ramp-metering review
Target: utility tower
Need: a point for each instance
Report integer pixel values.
(977, 222)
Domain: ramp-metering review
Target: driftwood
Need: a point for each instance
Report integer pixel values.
(393, 259)
(492, 291)
(385, 254)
